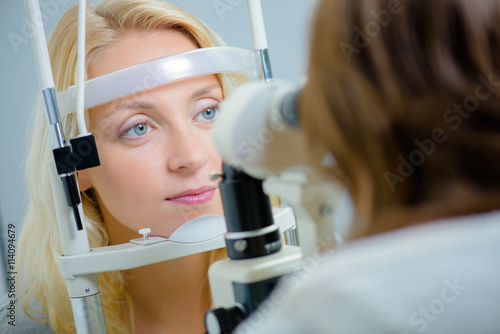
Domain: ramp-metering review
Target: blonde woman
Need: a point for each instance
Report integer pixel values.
(405, 94)
(156, 154)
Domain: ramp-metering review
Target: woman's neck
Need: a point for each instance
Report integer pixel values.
(170, 297)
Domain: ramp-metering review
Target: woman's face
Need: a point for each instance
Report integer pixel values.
(155, 147)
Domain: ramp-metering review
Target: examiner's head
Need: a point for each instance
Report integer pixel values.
(405, 94)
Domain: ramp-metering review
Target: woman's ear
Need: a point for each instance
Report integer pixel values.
(84, 181)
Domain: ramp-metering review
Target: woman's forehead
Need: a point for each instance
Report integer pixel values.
(138, 47)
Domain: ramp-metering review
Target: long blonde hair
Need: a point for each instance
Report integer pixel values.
(39, 244)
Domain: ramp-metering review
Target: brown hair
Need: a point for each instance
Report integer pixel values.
(405, 94)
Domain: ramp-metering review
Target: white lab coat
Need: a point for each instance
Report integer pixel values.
(440, 277)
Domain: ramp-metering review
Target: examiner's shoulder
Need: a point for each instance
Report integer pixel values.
(437, 247)
(14, 320)
(429, 277)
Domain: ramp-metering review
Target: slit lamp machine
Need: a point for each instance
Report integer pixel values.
(262, 243)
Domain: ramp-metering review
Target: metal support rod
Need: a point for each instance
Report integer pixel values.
(83, 290)
(91, 306)
(260, 38)
(261, 47)
(75, 242)
(267, 73)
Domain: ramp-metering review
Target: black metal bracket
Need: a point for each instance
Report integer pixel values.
(80, 154)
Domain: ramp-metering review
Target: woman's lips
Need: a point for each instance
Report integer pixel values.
(194, 196)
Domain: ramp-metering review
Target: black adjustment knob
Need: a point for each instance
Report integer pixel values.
(222, 320)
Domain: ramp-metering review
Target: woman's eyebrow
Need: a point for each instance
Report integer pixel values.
(131, 105)
(203, 91)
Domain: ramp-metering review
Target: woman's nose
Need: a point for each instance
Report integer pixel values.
(188, 151)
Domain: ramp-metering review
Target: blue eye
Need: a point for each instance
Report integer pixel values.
(137, 130)
(208, 114)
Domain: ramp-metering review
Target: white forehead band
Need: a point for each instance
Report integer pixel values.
(159, 72)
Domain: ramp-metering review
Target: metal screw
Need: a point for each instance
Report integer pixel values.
(240, 245)
(87, 290)
(144, 232)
